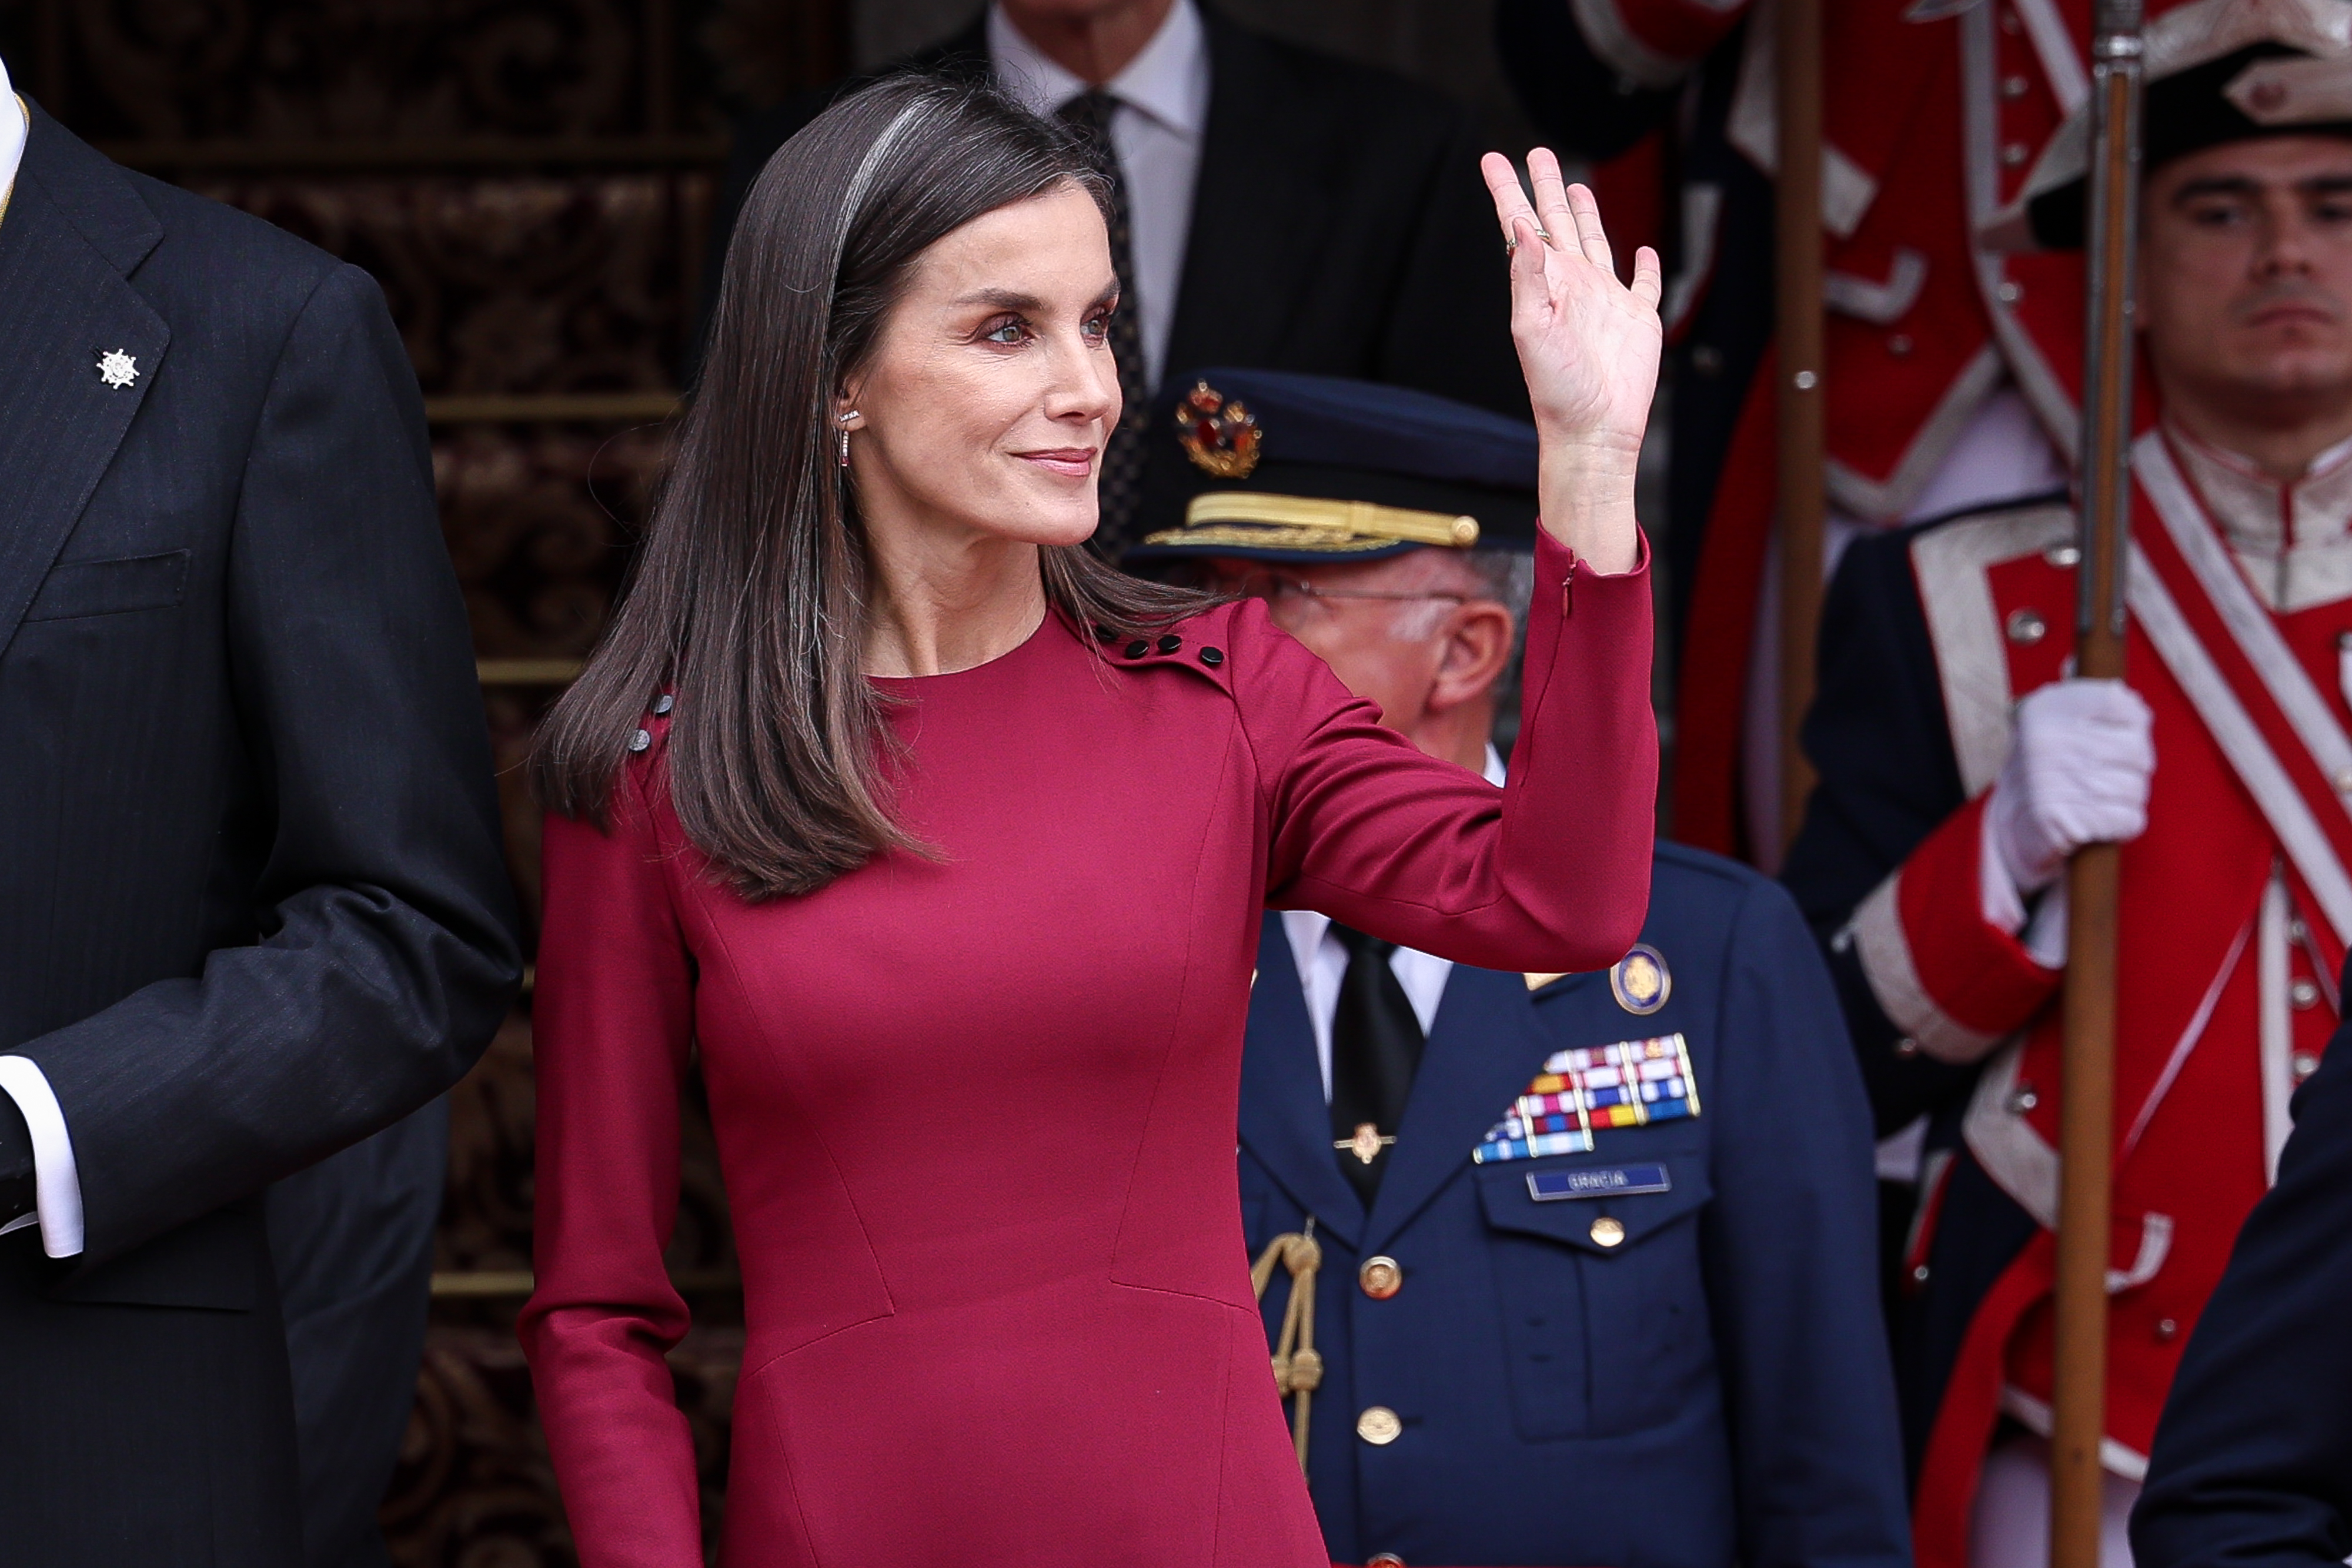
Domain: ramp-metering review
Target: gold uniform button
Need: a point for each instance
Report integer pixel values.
(1608, 1232)
(1380, 1278)
(1380, 1425)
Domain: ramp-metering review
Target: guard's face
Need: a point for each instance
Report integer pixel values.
(2245, 293)
(985, 404)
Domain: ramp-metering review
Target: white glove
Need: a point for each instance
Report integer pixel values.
(2078, 774)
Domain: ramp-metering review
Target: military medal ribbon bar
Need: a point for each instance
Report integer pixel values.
(1628, 1084)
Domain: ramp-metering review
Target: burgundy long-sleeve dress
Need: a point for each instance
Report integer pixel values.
(976, 1112)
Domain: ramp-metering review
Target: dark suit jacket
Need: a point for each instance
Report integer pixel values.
(1710, 1389)
(252, 902)
(2252, 1463)
(1340, 227)
(353, 1240)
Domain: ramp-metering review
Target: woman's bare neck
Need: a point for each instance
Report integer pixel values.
(940, 607)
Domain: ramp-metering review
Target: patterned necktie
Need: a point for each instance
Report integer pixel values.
(1376, 1042)
(1121, 482)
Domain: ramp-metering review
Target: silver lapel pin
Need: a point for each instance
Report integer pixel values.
(117, 369)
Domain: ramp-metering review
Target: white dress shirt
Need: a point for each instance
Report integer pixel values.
(1162, 111)
(12, 127)
(1323, 962)
(57, 1185)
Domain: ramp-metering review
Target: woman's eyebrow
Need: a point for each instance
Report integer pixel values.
(1003, 300)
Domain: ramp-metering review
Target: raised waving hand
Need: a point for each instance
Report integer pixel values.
(1589, 347)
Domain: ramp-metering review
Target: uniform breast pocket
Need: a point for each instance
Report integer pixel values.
(77, 589)
(1597, 1275)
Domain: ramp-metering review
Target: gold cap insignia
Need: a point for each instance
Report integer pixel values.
(1641, 981)
(1220, 437)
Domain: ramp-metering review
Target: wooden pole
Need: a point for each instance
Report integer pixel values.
(2087, 1085)
(1796, 279)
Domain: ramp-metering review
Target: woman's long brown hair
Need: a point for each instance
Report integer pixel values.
(748, 600)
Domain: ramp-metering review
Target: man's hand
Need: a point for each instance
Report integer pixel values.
(2078, 774)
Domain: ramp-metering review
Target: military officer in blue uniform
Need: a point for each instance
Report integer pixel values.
(1558, 1268)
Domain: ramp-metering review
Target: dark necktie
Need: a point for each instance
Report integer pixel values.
(1376, 1044)
(1122, 464)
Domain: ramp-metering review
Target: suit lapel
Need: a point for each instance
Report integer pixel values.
(1484, 1045)
(73, 229)
(1286, 1122)
(1257, 209)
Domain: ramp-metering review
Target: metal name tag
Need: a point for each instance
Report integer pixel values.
(1604, 1181)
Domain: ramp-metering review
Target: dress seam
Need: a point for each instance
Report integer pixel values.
(1463, 912)
(1170, 1040)
(816, 1135)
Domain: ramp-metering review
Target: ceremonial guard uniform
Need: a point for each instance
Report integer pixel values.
(1588, 1279)
(2236, 903)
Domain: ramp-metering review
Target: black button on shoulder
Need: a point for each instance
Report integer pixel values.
(1137, 649)
(1170, 643)
(1213, 657)
(1104, 635)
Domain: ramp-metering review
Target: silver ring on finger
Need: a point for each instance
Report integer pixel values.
(1511, 245)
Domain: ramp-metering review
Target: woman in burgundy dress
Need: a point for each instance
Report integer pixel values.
(940, 849)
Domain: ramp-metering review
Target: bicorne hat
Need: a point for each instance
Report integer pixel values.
(2216, 71)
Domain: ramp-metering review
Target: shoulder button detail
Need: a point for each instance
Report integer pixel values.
(640, 740)
(663, 704)
(1137, 649)
(1213, 657)
(1104, 635)
(1170, 643)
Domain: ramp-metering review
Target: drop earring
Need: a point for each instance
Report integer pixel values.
(844, 421)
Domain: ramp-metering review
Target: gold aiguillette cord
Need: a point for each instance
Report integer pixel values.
(1297, 1368)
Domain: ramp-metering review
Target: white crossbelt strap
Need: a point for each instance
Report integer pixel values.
(2241, 741)
(2276, 1034)
(2251, 625)
(2282, 676)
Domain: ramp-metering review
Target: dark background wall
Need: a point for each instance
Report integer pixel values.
(530, 181)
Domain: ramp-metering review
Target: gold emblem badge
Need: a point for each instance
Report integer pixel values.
(1220, 437)
(1367, 1144)
(1641, 981)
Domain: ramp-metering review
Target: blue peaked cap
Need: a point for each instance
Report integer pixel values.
(1339, 423)
(1260, 458)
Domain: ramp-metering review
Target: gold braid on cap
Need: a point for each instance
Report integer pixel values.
(1313, 523)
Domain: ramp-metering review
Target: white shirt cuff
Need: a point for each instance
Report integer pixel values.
(56, 1185)
(2045, 934)
(1998, 899)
